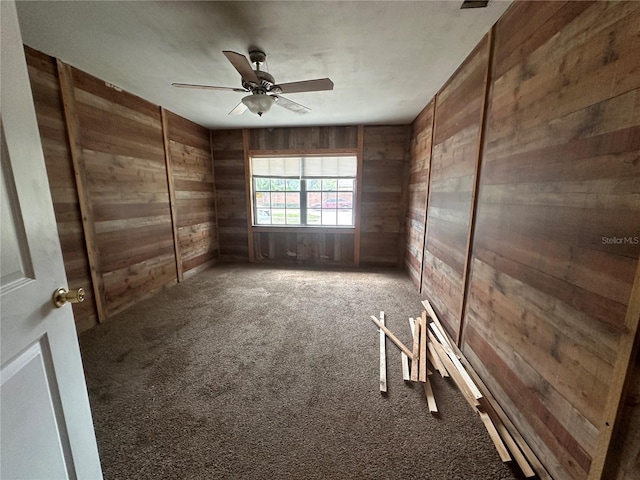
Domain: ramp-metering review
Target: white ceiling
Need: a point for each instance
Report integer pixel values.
(386, 58)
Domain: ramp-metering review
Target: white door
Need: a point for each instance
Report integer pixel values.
(46, 430)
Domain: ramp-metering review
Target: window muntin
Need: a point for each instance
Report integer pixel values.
(304, 191)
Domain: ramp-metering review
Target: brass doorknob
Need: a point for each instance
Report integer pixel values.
(62, 296)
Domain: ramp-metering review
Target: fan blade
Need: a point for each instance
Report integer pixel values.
(239, 109)
(243, 66)
(290, 105)
(208, 87)
(304, 86)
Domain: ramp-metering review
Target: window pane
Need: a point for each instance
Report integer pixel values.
(345, 200)
(328, 217)
(314, 200)
(293, 217)
(345, 217)
(313, 216)
(263, 184)
(314, 184)
(329, 200)
(329, 184)
(277, 184)
(293, 200)
(263, 217)
(345, 184)
(278, 216)
(278, 199)
(263, 199)
(293, 185)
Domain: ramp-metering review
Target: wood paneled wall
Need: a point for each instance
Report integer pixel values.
(418, 191)
(43, 75)
(303, 138)
(303, 246)
(545, 292)
(191, 168)
(228, 165)
(457, 129)
(123, 158)
(545, 324)
(377, 238)
(385, 169)
(120, 223)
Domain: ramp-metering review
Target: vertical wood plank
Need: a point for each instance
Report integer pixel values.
(249, 189)
(172, 195)
(356, 236)
(215, 193)
(476, 182)
(383, 357)
(426, 208)
(75, 144)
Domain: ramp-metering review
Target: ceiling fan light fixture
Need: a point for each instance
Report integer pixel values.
(258, 103)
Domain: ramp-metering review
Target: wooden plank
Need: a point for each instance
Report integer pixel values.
(406, 375)
(456, 362)
(296, 152)
(65, 76)
(172, 197)
(435, 360)
(434, 318)
(431, 400)
(415, 363)
(453, 371)
(423, 348)
(247, 180)
(622, 368)
(495, 437)
(359, 189)
(476, 183)
(393, 338)
(383, 357)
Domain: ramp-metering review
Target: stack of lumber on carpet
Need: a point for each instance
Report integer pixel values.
(432, 347)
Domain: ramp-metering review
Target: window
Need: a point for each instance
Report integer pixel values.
(304, 191)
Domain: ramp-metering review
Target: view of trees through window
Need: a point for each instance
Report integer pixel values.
(310, 201)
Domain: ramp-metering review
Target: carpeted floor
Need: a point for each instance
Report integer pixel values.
(251, 372)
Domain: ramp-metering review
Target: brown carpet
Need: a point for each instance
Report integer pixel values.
(251, 372)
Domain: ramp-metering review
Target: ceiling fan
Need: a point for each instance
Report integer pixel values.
(262, 86)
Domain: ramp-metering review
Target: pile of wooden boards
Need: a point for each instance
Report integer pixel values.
(432, 347)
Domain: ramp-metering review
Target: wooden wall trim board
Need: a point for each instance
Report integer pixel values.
(426, 209)
(429, 193)
(73, 130)
(621, 371)
(172, 195)
(476, 184)
(359, 186)
(249, 190)
(454, 161)
(215, 193)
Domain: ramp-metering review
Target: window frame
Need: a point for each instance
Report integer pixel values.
(303, 192)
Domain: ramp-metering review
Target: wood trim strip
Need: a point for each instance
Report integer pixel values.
(172, 195)
(65, 75)
(247, 182)
(359, 188)
(215, 193)
(383, 357)
(476, 183)
(304, 151)
(426, 208)
(613, 407)
(393, 338)
(291, 229)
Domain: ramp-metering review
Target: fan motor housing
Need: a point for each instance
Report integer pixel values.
(266, 81)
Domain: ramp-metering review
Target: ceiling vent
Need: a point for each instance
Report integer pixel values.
(474, 4)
